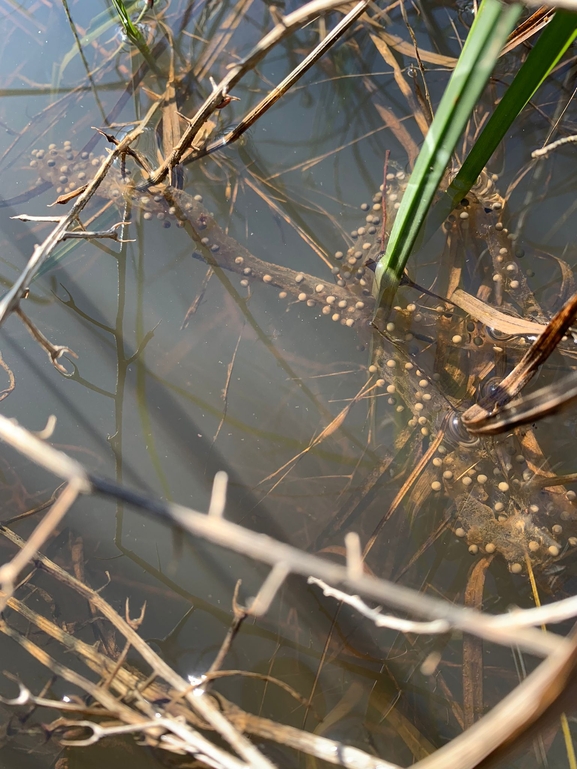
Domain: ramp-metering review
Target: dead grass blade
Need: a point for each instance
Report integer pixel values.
(225, 389)
(427, 456)
(329, 430)
(424, 99)
(400, 132)
(473, 647)
(348, 513)
(194, 305)
(407, 49)
(493, 318)
(433, 536)
(404, 87)
(219, 42)
(285, 26)
(528, 28)
(291, 222)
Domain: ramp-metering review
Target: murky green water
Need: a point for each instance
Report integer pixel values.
(252, 379)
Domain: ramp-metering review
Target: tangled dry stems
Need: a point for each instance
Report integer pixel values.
(514, 714)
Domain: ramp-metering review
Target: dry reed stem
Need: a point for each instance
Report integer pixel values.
(292, 78)
(510, 717)
(510, 629)
(145, 695)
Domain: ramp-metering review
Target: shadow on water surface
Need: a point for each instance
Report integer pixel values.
(262, 371)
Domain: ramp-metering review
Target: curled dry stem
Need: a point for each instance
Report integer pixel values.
(484, 417)
(54, 351)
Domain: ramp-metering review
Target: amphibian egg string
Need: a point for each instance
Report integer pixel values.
(348, 313)
(79, 166)
(349, 302)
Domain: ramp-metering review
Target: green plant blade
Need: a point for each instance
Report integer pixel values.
(487, 36)
(130, 28)
(547, 52)
(98, 26)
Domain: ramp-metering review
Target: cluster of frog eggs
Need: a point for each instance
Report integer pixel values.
(338, 309)
(364, 237)
(499, 488)
(450, 478)
(349, 266)
(420, 399)
(69, 172)
(52, 156)
(507, 276)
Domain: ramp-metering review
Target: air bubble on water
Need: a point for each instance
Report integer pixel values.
(146, 30)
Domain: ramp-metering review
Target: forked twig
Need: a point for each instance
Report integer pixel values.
(41, 253)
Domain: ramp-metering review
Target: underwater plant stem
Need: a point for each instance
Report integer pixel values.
(492, 25)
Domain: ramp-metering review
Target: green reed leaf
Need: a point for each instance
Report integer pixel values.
(99, 25)
(492, 25)
(130, 28)
(545, 55)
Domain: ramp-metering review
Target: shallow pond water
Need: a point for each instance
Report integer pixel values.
(179, 376)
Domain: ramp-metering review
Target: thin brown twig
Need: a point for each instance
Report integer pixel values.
(225, 389)
(239, 614)
(292, 78)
